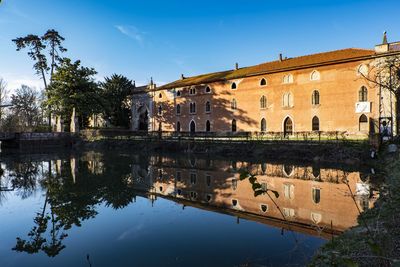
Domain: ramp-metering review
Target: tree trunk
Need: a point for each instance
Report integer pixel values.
(397, 112)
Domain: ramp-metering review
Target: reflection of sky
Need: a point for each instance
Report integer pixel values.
(163, 235)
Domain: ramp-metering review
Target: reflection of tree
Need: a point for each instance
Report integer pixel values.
(24, 176)
(37, 241)
(69, 201)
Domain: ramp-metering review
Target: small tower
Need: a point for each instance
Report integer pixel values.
(384, 46)
(384, 41)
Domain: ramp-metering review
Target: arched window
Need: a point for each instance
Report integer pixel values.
(178, 109)
(263, 82)
(315, 76)
(160, 126)
(192, 162)
(288, 100)
(263, 102)
(178, 126)
(288, 78)
(363, 123)
(315, 123)
(263, 125)
(316, 195)
(363, 94)
(315, 98)
(178, 93)
(233, 125)
(263, 168)
(287, 127)
(234, 184)
(192, 127)
(159, 110)
(192, 91)
(288, 170)
(208, 106)
(192, 108)
(233, 86)
(234, 202)
(208, 89)
(208, 126)
(288, 191)
(264, 207)
(160, 95)
(316, 171)
(233, 104)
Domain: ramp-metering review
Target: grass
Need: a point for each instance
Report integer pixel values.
(376, 240)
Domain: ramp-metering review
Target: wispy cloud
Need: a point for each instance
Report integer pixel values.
(131, 232)
(132, 32)
(11, 13)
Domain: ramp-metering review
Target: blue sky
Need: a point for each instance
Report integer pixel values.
(162, 39)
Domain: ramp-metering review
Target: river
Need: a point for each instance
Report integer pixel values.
(109, 208)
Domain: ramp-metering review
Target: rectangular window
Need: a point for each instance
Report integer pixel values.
(193, 178)
(192, 108)
(178, 176)
(208, 180)
(288, 190)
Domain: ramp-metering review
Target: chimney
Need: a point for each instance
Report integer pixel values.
(280, 57)
(236, 66)
(182, 76)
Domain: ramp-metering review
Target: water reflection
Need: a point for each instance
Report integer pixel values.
(315, 200)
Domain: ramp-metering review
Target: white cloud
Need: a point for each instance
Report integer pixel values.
(15, 81)
(132, 32)
(34, 83)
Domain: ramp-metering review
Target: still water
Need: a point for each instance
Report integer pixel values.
(113, 209)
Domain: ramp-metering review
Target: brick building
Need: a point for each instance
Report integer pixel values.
(319, 92)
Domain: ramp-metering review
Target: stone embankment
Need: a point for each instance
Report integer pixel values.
(343, 152)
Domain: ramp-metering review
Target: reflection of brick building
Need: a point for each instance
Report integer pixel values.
(308, 197)
(319, 92)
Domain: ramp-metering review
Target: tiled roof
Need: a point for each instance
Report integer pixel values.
(274, 66)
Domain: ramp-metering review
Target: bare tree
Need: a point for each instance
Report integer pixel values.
(25, 106)
(3, 95)
(385, 73)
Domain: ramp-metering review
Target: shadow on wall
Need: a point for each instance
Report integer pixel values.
(199, 109)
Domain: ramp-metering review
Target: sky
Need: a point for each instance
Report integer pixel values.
(164, 39)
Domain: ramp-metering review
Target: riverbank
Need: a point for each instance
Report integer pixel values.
(376, 240)
(334, 152)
